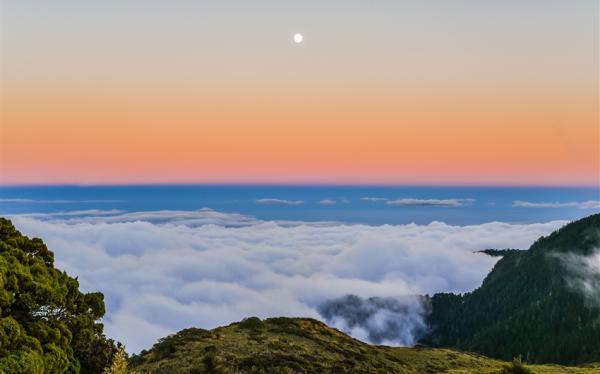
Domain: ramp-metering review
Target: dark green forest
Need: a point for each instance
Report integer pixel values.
(526, 305)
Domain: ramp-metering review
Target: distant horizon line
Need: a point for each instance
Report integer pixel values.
(308, 185)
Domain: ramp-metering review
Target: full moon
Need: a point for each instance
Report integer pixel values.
(298, 38)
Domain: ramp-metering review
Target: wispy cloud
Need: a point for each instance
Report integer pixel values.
(42, 201)
(583, 274)
(327, 202)
(75, 213)
(380, 320)
(166, 270)
(32, 201)
(589, 204)
(430, 202)
(279, 201)
(188, 218)
(419, 202)
(192, 218)
(374, 199)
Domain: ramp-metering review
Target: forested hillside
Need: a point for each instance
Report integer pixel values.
(531, 304)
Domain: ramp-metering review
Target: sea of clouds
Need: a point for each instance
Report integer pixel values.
(163, 271)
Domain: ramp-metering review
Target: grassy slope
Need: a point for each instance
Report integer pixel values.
(298, 345)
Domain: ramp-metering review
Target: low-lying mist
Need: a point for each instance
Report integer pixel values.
(168, 270)
(379, 320)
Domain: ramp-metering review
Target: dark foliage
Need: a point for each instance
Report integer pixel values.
(526, 306)
(498, 252)
(252, 323)
(46, 324)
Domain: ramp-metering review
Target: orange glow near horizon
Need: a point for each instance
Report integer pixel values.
(83, 139)
(293, 118)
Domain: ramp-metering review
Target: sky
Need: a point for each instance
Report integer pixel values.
(378, 92)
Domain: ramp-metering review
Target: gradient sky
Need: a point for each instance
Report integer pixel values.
(390, 92)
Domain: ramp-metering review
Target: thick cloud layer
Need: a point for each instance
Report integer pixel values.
(167, 270)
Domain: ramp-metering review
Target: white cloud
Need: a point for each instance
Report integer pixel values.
(391, 321)
(279, 201)
(590, 204)
(75, 213)
(584, 274)
(327, 202)
(374, 199)
(430, 202)
(37, 201)
(192, 218)
(167, 270)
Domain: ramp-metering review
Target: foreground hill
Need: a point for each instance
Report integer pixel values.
(542, 303)
(301, 345)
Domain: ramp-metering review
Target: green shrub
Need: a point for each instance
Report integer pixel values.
(252, 323)
(47, 324)
(515, 367)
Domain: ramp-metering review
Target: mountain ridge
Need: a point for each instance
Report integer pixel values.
(526, 299)
(304, 345)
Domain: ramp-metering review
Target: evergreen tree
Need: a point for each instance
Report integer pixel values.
(46, 324)
(527, 305)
